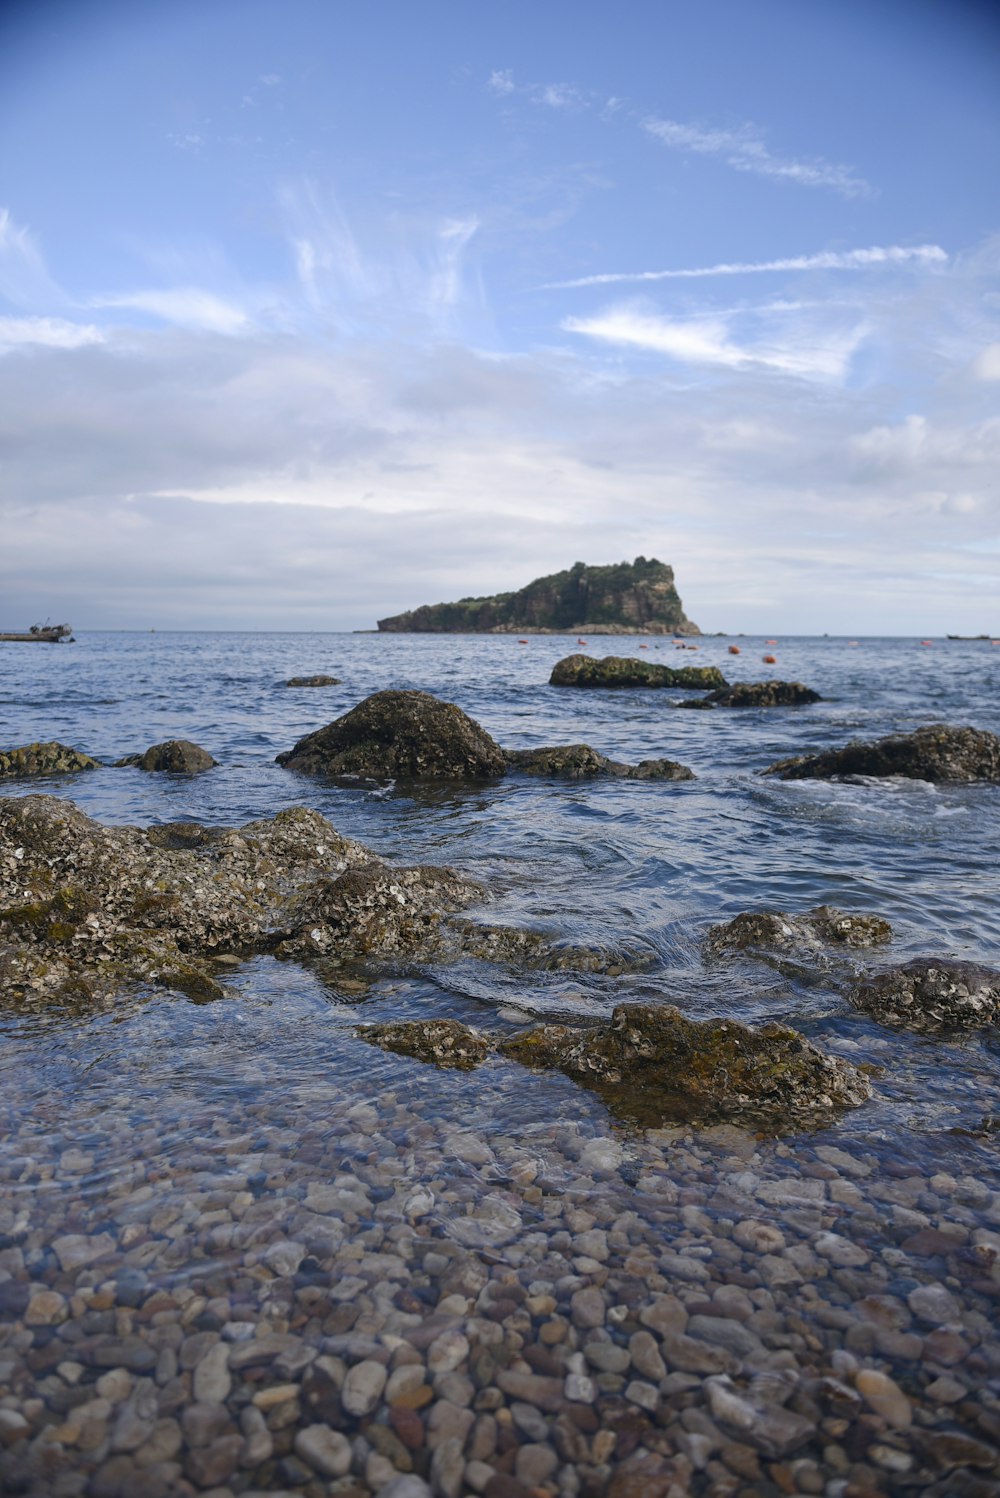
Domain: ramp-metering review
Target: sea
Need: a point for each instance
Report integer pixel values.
(99, 1109)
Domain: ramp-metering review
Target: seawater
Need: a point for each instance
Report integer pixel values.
(162, 1090)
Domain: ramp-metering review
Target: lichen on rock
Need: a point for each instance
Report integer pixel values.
(399, 735)
(932, 995)
(652, 1064)
(937, 753)
(50, 758)
(626, 671)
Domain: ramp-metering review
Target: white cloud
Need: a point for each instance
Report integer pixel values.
(46, 332)
(707, 341)
(561, 96)
(187, 306)
(875, 256)
(501, 82)
(745, 151)
(986, 365)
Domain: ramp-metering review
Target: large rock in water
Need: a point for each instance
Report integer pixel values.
(931, 995)
(45, 759)
(653, 1065)
(624, 671)
(400, 735)
(936, 753)
(625, 598)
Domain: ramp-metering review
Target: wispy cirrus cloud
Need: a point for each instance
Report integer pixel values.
(24, 276)
(744, 150)
(187, 306)
(708, 341)
(875, 256)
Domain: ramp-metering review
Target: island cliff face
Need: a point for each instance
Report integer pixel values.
(625, 598)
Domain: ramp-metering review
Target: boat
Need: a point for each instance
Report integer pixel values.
(967, 637)
(49, 634)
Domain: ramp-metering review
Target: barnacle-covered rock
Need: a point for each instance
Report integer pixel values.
(580, 762)
(774, 931)
(935, 753)
(932, 995)
(625, 671)
(652, 1064)
(444, 1042)
(50, 758)
(176, 756)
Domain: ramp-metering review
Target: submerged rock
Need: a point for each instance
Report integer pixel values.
(175, 756)
(936, 753)
(313, 681)
(757, 694)
(375, 909)
(579, 761)
(45, 759)
(931, 995)
(444, 1042)
(652, 1064)
(773, 930)
(624, 671)
(404, 735)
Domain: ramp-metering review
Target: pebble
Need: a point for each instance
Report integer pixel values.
(327, 1451)
(363, 1387)
(885, 1397)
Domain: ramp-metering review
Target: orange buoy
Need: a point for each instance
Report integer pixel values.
(643, 647)
(852, 642)
(769, 660)
(927, 642)
(734, 650)
(522, 642)
(579, 641)
(995, 642)
(770, 642)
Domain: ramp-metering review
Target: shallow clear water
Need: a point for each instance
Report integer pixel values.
(263, 1082)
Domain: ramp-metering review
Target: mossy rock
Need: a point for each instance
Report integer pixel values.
(313, 681)
(652, 1065)
(443, 1042)
(937, 753)
(399, 735)
(49, 758)
(624, 671)
(580, 762)
(931, 995)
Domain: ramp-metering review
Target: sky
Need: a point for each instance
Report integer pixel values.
(318, 310)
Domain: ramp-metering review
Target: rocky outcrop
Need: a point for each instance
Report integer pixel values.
(443, 1042)
(935, 753)
(44, 759)
(87, 911)
(653, 1065)
(580, 762)
(931, 995)
(175, 756)
(313, 681)
(757, 694)
(774, 931)
(625, 598)
(624, 671)
(399, 735)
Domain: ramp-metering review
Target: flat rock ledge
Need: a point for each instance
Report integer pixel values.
(50, 758)
(174, 756)
(757, 694)
(932, 995)
(651, 1065)
(87, 911)
(580, 762)
(775, 931)
(937, 753)
(625, 671)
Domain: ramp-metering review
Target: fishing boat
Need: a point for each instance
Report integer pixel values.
(967, 637)
(50, 634)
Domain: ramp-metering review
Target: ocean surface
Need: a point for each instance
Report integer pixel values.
(646, 866)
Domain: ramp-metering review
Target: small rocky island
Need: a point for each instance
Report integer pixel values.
(621, 599)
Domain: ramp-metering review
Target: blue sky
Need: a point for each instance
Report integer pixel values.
(311, 312)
